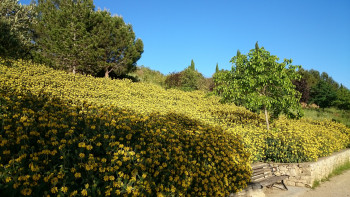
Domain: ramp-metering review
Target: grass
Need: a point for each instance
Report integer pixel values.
(337, 171)
(337, 115)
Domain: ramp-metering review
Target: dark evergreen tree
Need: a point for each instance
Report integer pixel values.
(72, 36)
(15, 29)
(117, 48)
(192, 66)
(323, 94)
(343, 98)
(63, 34)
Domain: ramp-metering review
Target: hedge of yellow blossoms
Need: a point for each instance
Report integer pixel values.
(65, 134)
(53, 145)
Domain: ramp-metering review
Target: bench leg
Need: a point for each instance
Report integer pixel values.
(285, 187)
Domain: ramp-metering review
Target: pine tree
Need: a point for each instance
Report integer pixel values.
(117, 48)
(63, 36)
(15, 29)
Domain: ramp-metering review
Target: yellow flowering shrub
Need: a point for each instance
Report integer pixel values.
(305, 140)
(50, 146)
(78, 135)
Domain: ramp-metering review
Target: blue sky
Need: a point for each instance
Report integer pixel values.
(315, 34)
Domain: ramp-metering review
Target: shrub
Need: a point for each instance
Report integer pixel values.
(146, 99)
(51, 146)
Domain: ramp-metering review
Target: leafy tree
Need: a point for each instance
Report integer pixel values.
(15, 29)
(173, 80)
(188, 80)
(62, 34)
(323, 94)
(258, 82)
(343, 98)
(192, 79)
(115, 43)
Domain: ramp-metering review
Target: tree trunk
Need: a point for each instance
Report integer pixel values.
(267, 118)
(106, 73)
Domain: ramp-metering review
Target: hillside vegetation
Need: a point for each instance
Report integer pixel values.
(68, 132)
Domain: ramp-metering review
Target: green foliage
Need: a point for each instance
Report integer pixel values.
(115, 43)
(188, 80)
(72, 36)
(191, 80)
(258, 82)
(147, 75)
(217, 68)
(322, 90)
(323, 94)
(192, 66)
(63, 34)
(343, 98)
(15, 29)
(330, 114)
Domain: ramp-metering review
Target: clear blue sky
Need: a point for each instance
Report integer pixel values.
(314, 33)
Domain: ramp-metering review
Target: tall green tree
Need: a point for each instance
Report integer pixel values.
(192, 66)
(16, 32)
(323, 94)
(259, 82)
(343, 98)
(217, 68)
(63, 34)
(115, 43)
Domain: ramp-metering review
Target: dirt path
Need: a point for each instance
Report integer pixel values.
(338, 186)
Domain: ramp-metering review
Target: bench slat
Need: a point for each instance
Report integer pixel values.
(272, 180)
(263, 175)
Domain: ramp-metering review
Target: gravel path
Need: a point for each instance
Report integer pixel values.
(338, 186)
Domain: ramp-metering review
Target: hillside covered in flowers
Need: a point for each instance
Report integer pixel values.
(72, 135)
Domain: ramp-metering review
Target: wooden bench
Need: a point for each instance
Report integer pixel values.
(263, 175)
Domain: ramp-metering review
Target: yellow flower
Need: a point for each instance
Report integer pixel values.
(8, 179)
(128, 189)
(54, 190)
(81, 144)
(75, 192)
(84, 192)
(26, 192)
(77, 175)
(81, 155)
(106, 178)
(89, 147)
(64, 189)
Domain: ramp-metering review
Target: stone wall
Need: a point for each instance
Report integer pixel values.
(300, 174)
(304, 174)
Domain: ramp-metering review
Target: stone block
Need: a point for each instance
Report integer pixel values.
(300, 184)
